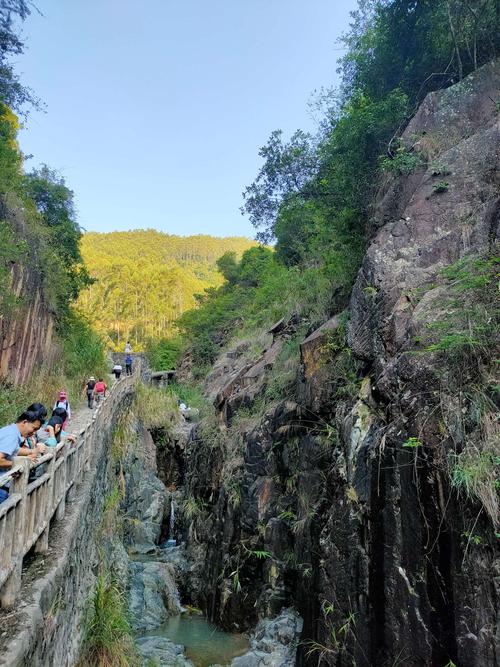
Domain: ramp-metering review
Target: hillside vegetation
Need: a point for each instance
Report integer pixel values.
(313, 195)
(144, 280)
(41, 268)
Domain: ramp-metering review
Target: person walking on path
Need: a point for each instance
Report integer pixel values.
(62, 402)
(128, 347)
(117, 371)
(89, 390)
(100, 390)
(128, 364)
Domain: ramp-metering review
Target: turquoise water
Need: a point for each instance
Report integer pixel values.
(205, 644)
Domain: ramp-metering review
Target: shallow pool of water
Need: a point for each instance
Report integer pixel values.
(205, 644)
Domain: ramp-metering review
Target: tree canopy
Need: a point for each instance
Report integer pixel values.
(144, 280)
(312, 194)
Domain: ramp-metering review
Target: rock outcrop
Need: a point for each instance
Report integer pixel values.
(27, 331)
(338, 501)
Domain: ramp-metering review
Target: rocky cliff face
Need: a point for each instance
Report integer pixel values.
(339, 501)
(26, 334)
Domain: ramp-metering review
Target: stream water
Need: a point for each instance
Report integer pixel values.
(205, 644)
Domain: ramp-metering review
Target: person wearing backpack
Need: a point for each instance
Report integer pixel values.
(89, 390)
(100, 390)
(62, 402)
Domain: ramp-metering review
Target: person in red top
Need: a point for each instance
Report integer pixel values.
(100, 389)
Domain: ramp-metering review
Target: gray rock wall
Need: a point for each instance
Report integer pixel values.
(324, 503)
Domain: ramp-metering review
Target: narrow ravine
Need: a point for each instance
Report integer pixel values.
(153, 556)
(166, 632)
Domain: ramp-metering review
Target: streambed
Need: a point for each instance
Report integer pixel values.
(204, 643)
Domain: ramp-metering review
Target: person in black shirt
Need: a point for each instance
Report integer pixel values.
(89, 390)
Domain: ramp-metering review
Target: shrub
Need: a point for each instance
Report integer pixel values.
(475, 474)
(164, 354)
(155, 407)
(403, 162)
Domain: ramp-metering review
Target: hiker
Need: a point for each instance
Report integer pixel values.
(89, 390)
(128, 347)
(128, 364)
(117, 370)
(100, 390)
(11, 443)
(62, 402)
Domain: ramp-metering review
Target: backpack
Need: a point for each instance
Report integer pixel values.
(90, 385)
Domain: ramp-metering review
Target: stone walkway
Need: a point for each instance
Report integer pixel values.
(81, 417)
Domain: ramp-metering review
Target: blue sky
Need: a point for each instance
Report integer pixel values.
(155, 111)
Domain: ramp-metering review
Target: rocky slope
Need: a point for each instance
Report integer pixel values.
(344, 500)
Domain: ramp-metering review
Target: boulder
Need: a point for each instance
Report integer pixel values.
(274, 642)
(153, 594)
(162, 652)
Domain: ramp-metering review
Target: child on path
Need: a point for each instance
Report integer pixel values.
(62, 402)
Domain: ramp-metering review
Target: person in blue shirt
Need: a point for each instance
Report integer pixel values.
(11, 442)
(128, 364)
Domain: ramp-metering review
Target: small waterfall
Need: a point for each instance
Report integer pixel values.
(171, 542)
(172, 520)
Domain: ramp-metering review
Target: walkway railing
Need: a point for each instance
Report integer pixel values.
(26, 514)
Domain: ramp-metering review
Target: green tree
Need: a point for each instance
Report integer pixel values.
(12, 92)
(62, 262)
(228, 266)
(286, 170)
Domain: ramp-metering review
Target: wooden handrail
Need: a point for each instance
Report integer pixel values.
(25, 516)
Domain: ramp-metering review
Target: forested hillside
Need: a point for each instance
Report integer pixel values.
(144, 280)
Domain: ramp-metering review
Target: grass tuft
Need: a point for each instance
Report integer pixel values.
(107, 638)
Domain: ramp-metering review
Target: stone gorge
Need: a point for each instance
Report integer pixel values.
(325, 522)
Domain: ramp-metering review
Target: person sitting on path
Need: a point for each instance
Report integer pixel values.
(117, 370)
(128, 364)
(62, 402)
(11, 443)
(100, 389)
(89, 391)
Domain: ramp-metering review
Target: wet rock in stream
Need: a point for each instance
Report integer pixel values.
(274, 642)
(153, 594)
(163, 652)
